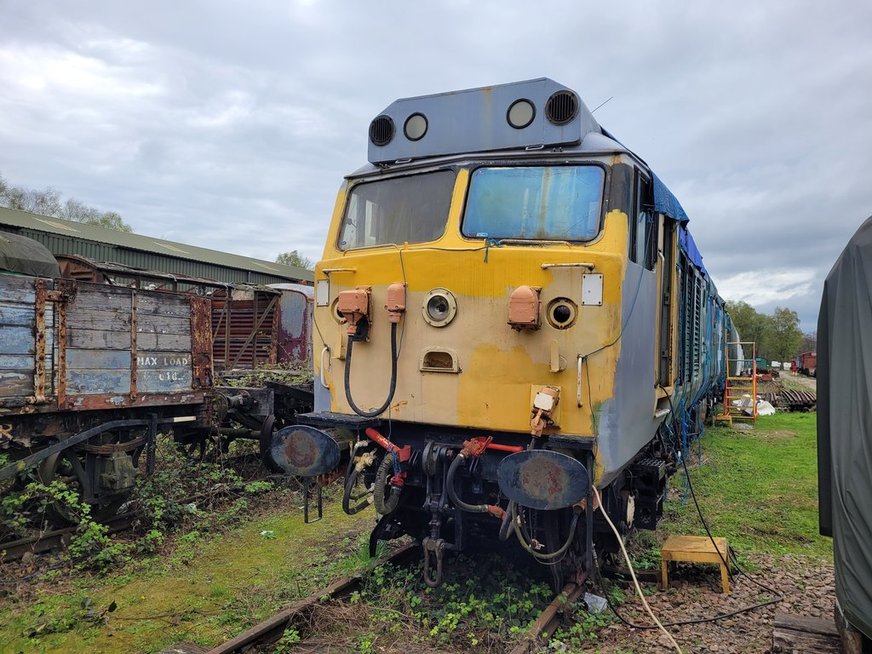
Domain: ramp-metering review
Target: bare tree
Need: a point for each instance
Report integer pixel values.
(48, 203)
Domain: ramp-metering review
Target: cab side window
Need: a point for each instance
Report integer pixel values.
(643, 224)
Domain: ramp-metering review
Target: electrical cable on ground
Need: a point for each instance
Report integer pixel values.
(731, 554)
(632, 572)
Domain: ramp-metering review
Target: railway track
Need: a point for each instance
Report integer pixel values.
(550, 618)
(56, 539)
(299, 614)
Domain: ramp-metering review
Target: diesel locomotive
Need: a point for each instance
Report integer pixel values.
(509, 311)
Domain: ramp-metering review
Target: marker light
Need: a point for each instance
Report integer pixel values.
(415, 127)
(521, 113)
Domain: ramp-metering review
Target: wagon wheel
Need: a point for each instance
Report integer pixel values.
(191, 446)
(68, 467)
(270, 426)
(198, 446)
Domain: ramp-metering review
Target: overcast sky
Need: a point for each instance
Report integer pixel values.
(229, 125)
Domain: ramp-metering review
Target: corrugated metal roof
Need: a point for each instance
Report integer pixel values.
(102, 244)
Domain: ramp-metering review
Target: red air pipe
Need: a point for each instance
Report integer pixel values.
(403, 453)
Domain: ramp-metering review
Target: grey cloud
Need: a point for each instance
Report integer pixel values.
(231, 127)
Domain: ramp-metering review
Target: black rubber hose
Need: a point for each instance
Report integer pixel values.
(393, 387)
(386, 505)
(550, 556)
(452, 493)
(506, 524)
(348, 496)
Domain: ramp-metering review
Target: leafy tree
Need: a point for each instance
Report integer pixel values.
(786, 336)
(294, 258)
(751, 325)
(778, 336)
(48, 203)
(809, 342)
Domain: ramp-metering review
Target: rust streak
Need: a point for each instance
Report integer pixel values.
(274, 341)
(115, 401)
(61, 348)
(228, 309)
(133, 361)
(201, 341)
(39, 337)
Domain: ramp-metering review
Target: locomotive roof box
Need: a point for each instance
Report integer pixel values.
(530, 114)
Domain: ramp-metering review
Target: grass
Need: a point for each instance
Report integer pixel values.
(208, 589)
(758, 488)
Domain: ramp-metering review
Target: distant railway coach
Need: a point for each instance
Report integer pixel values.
(511, 318)
(806, 363)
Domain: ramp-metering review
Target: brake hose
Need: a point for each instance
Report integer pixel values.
(506, 524)
(393, 386)
(523, 538)
(386, 505)
(452, 492)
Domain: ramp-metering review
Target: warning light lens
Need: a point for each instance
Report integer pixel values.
(521, 113)
(415, 127)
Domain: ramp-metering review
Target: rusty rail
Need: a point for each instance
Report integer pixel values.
(548, 621)
(56, 539)
(272, 628)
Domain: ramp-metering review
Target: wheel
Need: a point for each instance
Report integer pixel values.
(69, 468)
(269, 427)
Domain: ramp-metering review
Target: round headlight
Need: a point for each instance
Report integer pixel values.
(440, 307)
(561, 313)
(521, 113)
(415, 127)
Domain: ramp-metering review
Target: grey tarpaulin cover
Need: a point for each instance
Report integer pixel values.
(844, 420)
(23, 255)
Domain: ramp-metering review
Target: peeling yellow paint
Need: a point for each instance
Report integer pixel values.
(497, 365)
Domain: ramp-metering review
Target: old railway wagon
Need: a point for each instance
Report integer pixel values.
(89, 373)
(96, 358)
(510, 312)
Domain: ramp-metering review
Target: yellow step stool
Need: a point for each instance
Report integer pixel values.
(694, 549)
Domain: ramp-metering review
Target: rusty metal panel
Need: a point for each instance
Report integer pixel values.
(294, 340)
(304, 451)
(201, 341)
(243, 328)
(543, 479)
(92, 402)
